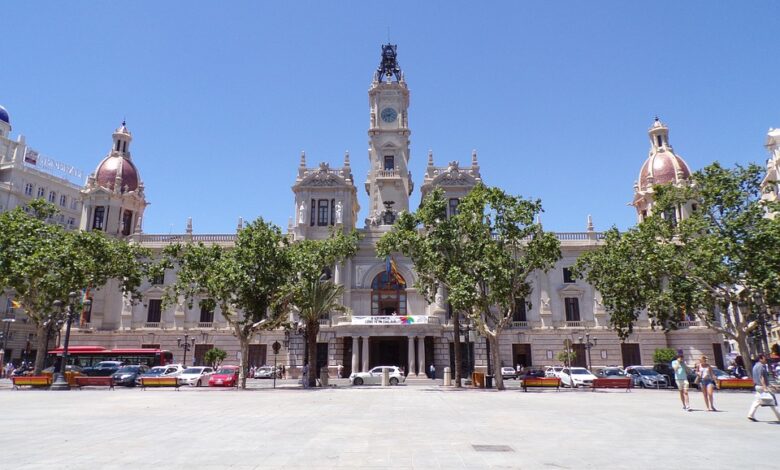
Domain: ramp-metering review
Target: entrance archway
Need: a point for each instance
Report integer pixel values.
(388, 294)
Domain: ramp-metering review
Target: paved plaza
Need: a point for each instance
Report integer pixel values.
(420, 425)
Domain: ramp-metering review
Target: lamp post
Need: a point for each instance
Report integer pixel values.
(60, 383)
(588, 345)
(6, 331)
(186, 345)
(466, 328)
(276, 346)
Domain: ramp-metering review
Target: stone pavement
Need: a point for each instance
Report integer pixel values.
(416, 426)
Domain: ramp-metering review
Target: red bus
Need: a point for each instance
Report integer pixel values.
(87, 356)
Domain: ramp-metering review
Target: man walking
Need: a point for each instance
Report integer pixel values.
(432, 370)
(681, 378)
(761, 381)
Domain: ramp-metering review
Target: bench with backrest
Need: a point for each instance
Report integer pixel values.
(87, 381)
(736, 384)
(541, 382)
(612, 383)
(31, 380)
(160, 382)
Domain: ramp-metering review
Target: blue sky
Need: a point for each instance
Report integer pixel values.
(556, 97)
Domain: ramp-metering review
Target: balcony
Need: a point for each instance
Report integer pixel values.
(575, 324)
(688, 323)
(206, 324)
(152, 324)
(324, 321)
(520, 324)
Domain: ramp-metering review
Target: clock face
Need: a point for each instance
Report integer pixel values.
(389, 114)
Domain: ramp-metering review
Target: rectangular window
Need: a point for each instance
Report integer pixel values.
(71, 221)
(74, 204)
(41, 192)
(322, 212)
(63, 200)
(572, 308)
(154, 314)
(159, 279)
(568, 278)
(389, 162)
(332, 211)
(28, 189)
(519, 313)
(206, 315)
(127, 223)
(52, 197)
(313, 215)
(453, 206)
(97, 220)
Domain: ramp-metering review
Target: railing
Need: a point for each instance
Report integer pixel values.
(575, 324)
(152, 324)
(212, 237)
(324, 321)
(206, 324)
(688, 323)
(387, 174)
(215, 237)
(519, 324)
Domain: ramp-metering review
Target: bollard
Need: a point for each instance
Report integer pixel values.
(324, 377)
(447, 377)
(385, 376)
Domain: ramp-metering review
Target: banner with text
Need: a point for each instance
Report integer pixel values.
(390, 320)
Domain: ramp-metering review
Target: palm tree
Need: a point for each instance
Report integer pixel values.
(316, 300)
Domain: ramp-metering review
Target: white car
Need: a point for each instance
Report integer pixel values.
(170, 370)
(580, 376)
(374, 376)
(553, 371)
(264, 372)
(196, 376)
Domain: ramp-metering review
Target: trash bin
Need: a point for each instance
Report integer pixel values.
(447, 377)
(478, 379)
(488, 381)
(324, 376)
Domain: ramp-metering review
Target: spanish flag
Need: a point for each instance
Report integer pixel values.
(15, 304)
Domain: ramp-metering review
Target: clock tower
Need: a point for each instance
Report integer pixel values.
(389, 182)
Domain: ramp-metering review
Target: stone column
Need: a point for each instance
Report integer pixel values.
(355, 354)
(365, 354)
(410, 358)
(421, 355)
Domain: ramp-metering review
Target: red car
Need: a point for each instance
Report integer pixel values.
(225, 376)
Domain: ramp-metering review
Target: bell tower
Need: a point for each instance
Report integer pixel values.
(389, 182)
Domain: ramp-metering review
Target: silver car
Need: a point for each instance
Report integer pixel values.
(196, 376)
(646, 377)
(374, 376)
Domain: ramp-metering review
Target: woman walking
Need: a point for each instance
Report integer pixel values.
(707, 383)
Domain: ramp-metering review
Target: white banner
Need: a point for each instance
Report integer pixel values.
(390, 320)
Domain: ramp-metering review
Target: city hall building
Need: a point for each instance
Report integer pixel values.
(390, 323)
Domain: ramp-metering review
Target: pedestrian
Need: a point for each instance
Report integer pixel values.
(707, 383)
(432, 370)
(305, 375)
(284, 371)
(761, 381)
(519, 369)
(681, 378)
(9, 369)
(340, 370)
(739, 367)
(252, 372)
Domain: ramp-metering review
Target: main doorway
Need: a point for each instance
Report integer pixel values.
(521, 352)
(388, 351)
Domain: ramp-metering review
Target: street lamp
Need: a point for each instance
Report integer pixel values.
(466, 329)
(187, 345)
(59, 377)
(6, 331)
(276, 347)
(588, 345)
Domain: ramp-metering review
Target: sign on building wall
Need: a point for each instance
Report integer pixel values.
(55, 167)
(390, 320)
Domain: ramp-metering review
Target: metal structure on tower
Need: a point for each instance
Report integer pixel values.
(388, 67)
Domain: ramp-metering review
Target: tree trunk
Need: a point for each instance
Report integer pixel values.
(456, 347)
(494, 352)
(40, 354)
(742, 342)
(243, 370)
(312, 329)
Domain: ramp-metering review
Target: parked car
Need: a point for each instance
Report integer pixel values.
(127, 375)
(508, 373)
(225, 376)
(579, 377)
(374, 376)
(552, 371)
(610, 372)
(667, 371)
(264, 372)
(102, 368)
(532, 373)
(646, 377)
(171, 370)
(196, 376)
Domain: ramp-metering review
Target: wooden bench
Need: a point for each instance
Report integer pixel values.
(612, 383)
(542, 382)
(160, 382)
(87, 381)
(736, 384)
(31, 380)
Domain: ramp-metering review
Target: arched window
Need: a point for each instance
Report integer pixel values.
(388, 295)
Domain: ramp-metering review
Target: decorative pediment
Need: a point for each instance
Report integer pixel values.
(571, 290)
(453, 176)
(322, 176)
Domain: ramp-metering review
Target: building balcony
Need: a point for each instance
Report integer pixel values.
(520, 324)
(324, 321)
(688, 323)
(152, 324)
(575, 324)
(206, 324)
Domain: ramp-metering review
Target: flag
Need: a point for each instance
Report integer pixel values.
(394, 271)
(15, 304)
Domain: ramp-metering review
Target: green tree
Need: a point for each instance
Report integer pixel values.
(721, 264)
(483, 255)
(664, 355)
(214, 357)
(245, 281)
(311, 291)
(42, 262)
(566, 357)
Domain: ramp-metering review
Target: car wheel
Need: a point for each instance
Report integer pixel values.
(357, 381)
(393, 381)
(198, 384)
